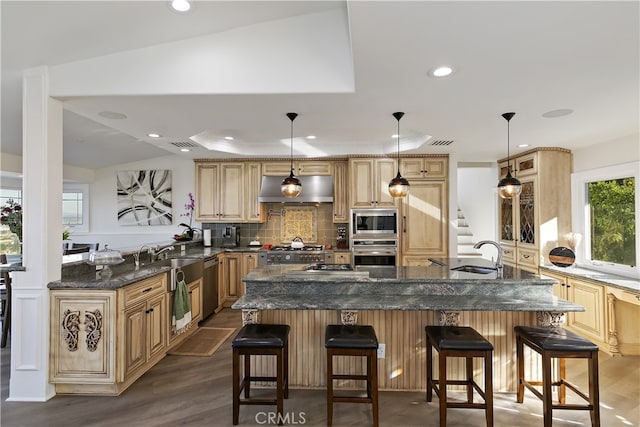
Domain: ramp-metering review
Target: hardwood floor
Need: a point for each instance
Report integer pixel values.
(196, 391)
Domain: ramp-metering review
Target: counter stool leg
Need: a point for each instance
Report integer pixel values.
(247, 375)
(547, 400)
(520, 359)
(429, 370)
(329, 387)
(442, 392)
(285, 361)
(562, 390)
(594, 393)
(469, 379)
(236, 386)
(373, 362)
(488, 387)
(279, 386)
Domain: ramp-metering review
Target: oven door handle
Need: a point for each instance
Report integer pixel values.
(373, 253)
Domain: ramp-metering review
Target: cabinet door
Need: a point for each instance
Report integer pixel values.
(590, 323)
(157, 321)
(340, 202)
(232, 192)
(314, 167)
(342, 257)
(506, 217)
(385, 171)
(412, 168)
(278, 169)
(249, 262)
(361, 183)
(207, 183)
(232, 268)
(527, 216)
(195, 299)
(135, 343)
(424, 213)
(254, 210)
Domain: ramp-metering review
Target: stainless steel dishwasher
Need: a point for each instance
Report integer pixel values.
(210, 286)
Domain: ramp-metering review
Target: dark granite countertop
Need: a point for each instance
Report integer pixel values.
(625, 283)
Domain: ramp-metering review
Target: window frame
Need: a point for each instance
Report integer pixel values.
(84, 189)
(581, 215)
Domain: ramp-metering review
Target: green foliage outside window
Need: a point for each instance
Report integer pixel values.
(613, 228)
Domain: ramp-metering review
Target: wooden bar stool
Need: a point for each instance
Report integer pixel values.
(352, 340)
(562, 344)
(260, 339)
(459, 341)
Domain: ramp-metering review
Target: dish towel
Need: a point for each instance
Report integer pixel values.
(181, 319)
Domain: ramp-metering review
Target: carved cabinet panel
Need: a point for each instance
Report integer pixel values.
(81, 337)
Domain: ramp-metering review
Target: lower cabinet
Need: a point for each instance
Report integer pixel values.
(233, 267)
(195, 300)
(101, 341)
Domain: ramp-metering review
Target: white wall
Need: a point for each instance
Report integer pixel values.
(477, 197)
(103, 220)
(608, 153)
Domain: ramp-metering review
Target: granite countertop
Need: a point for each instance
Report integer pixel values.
(608, 279)
(402, 288)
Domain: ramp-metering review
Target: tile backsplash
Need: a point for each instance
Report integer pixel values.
(313, 222)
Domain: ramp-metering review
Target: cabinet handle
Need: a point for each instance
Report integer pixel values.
(190, 292)
(563, 285)
(146, 290)
(151, 310)
(638, 297)
(526, 256)
(568, 286)
(404, 223)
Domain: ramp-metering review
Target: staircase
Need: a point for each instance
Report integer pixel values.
(465, 238)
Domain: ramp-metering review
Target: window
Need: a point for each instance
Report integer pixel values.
(606, 212)
(75, 210)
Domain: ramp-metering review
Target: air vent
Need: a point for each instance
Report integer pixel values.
(184, 144)
(442, 142)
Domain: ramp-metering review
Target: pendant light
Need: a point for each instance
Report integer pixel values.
(398, 186)
(291, 186)
(509, 187)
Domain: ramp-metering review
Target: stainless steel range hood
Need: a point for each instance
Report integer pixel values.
(314, 189)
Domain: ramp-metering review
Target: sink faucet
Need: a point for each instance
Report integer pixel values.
(155, 253)
(498, 264)
(136, 256)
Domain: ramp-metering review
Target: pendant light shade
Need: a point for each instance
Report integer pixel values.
(398, 186)
(291, 186)
(509, 187)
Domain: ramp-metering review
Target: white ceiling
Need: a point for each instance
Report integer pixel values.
(527, 57)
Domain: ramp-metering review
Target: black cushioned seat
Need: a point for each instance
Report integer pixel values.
(557, 343)
(555, 339)
(260, 340)
(350, 336)
(457, 338)
(358, 341)
(262, 336)
(466, 342)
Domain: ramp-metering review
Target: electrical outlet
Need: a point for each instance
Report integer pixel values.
(381, 351)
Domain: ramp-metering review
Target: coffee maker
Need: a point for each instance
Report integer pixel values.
(230, 236)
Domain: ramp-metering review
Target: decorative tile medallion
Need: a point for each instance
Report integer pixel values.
(300, 222)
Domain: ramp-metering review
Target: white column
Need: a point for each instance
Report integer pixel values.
(42, 239)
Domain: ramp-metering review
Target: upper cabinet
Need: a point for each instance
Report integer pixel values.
(300, 168)
(254, 210)
(424, 167)
(220, 192)
(369, 182)
(340, 194)
(536, 221)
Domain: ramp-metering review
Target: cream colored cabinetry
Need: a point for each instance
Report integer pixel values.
(249, 262)
(233, 267)
(591, 322)
(102, 341)
(220, 192)
(624, 310)
(424, 167)
(300, 168)
(424, 223)
(369, 182)
(340, 195)
(195, 302)
(536, 221)
(254, 210)
(338, 257)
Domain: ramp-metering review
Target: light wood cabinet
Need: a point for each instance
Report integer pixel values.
(300, 168)
(233, 267)
(369, 182)
(623, 320)
(194, 290)
(338, 257)
(254, 210)
(536, 221)
(102, 341)
(220, 192)
(424, 167)
(340, 194)
(424, 222)
(416, 260)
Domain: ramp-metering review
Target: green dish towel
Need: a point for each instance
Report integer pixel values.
(181, 319)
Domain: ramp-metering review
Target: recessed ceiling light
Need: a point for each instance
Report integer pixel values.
(395, 135)
(185, 150)
(228, 138)
(441, 71)
(112, 115)
(523, 145)
(181, 5)
(311, 137)
(557, 113)
(154, 135)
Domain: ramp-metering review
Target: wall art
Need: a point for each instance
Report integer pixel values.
(144, 197)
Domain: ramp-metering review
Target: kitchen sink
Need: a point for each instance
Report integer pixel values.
(187, 269)
(475, 269)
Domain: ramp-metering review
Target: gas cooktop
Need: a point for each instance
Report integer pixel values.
(304, 248)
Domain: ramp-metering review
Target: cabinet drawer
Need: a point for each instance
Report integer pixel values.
(508, 254)
(626, 296)
(528, 258)
(144, 289)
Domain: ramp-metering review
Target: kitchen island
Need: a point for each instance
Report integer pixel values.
(399, 302)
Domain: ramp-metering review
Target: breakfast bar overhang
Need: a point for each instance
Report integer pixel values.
(399, 302)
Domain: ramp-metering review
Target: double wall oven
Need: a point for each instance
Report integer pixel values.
(374, 236)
